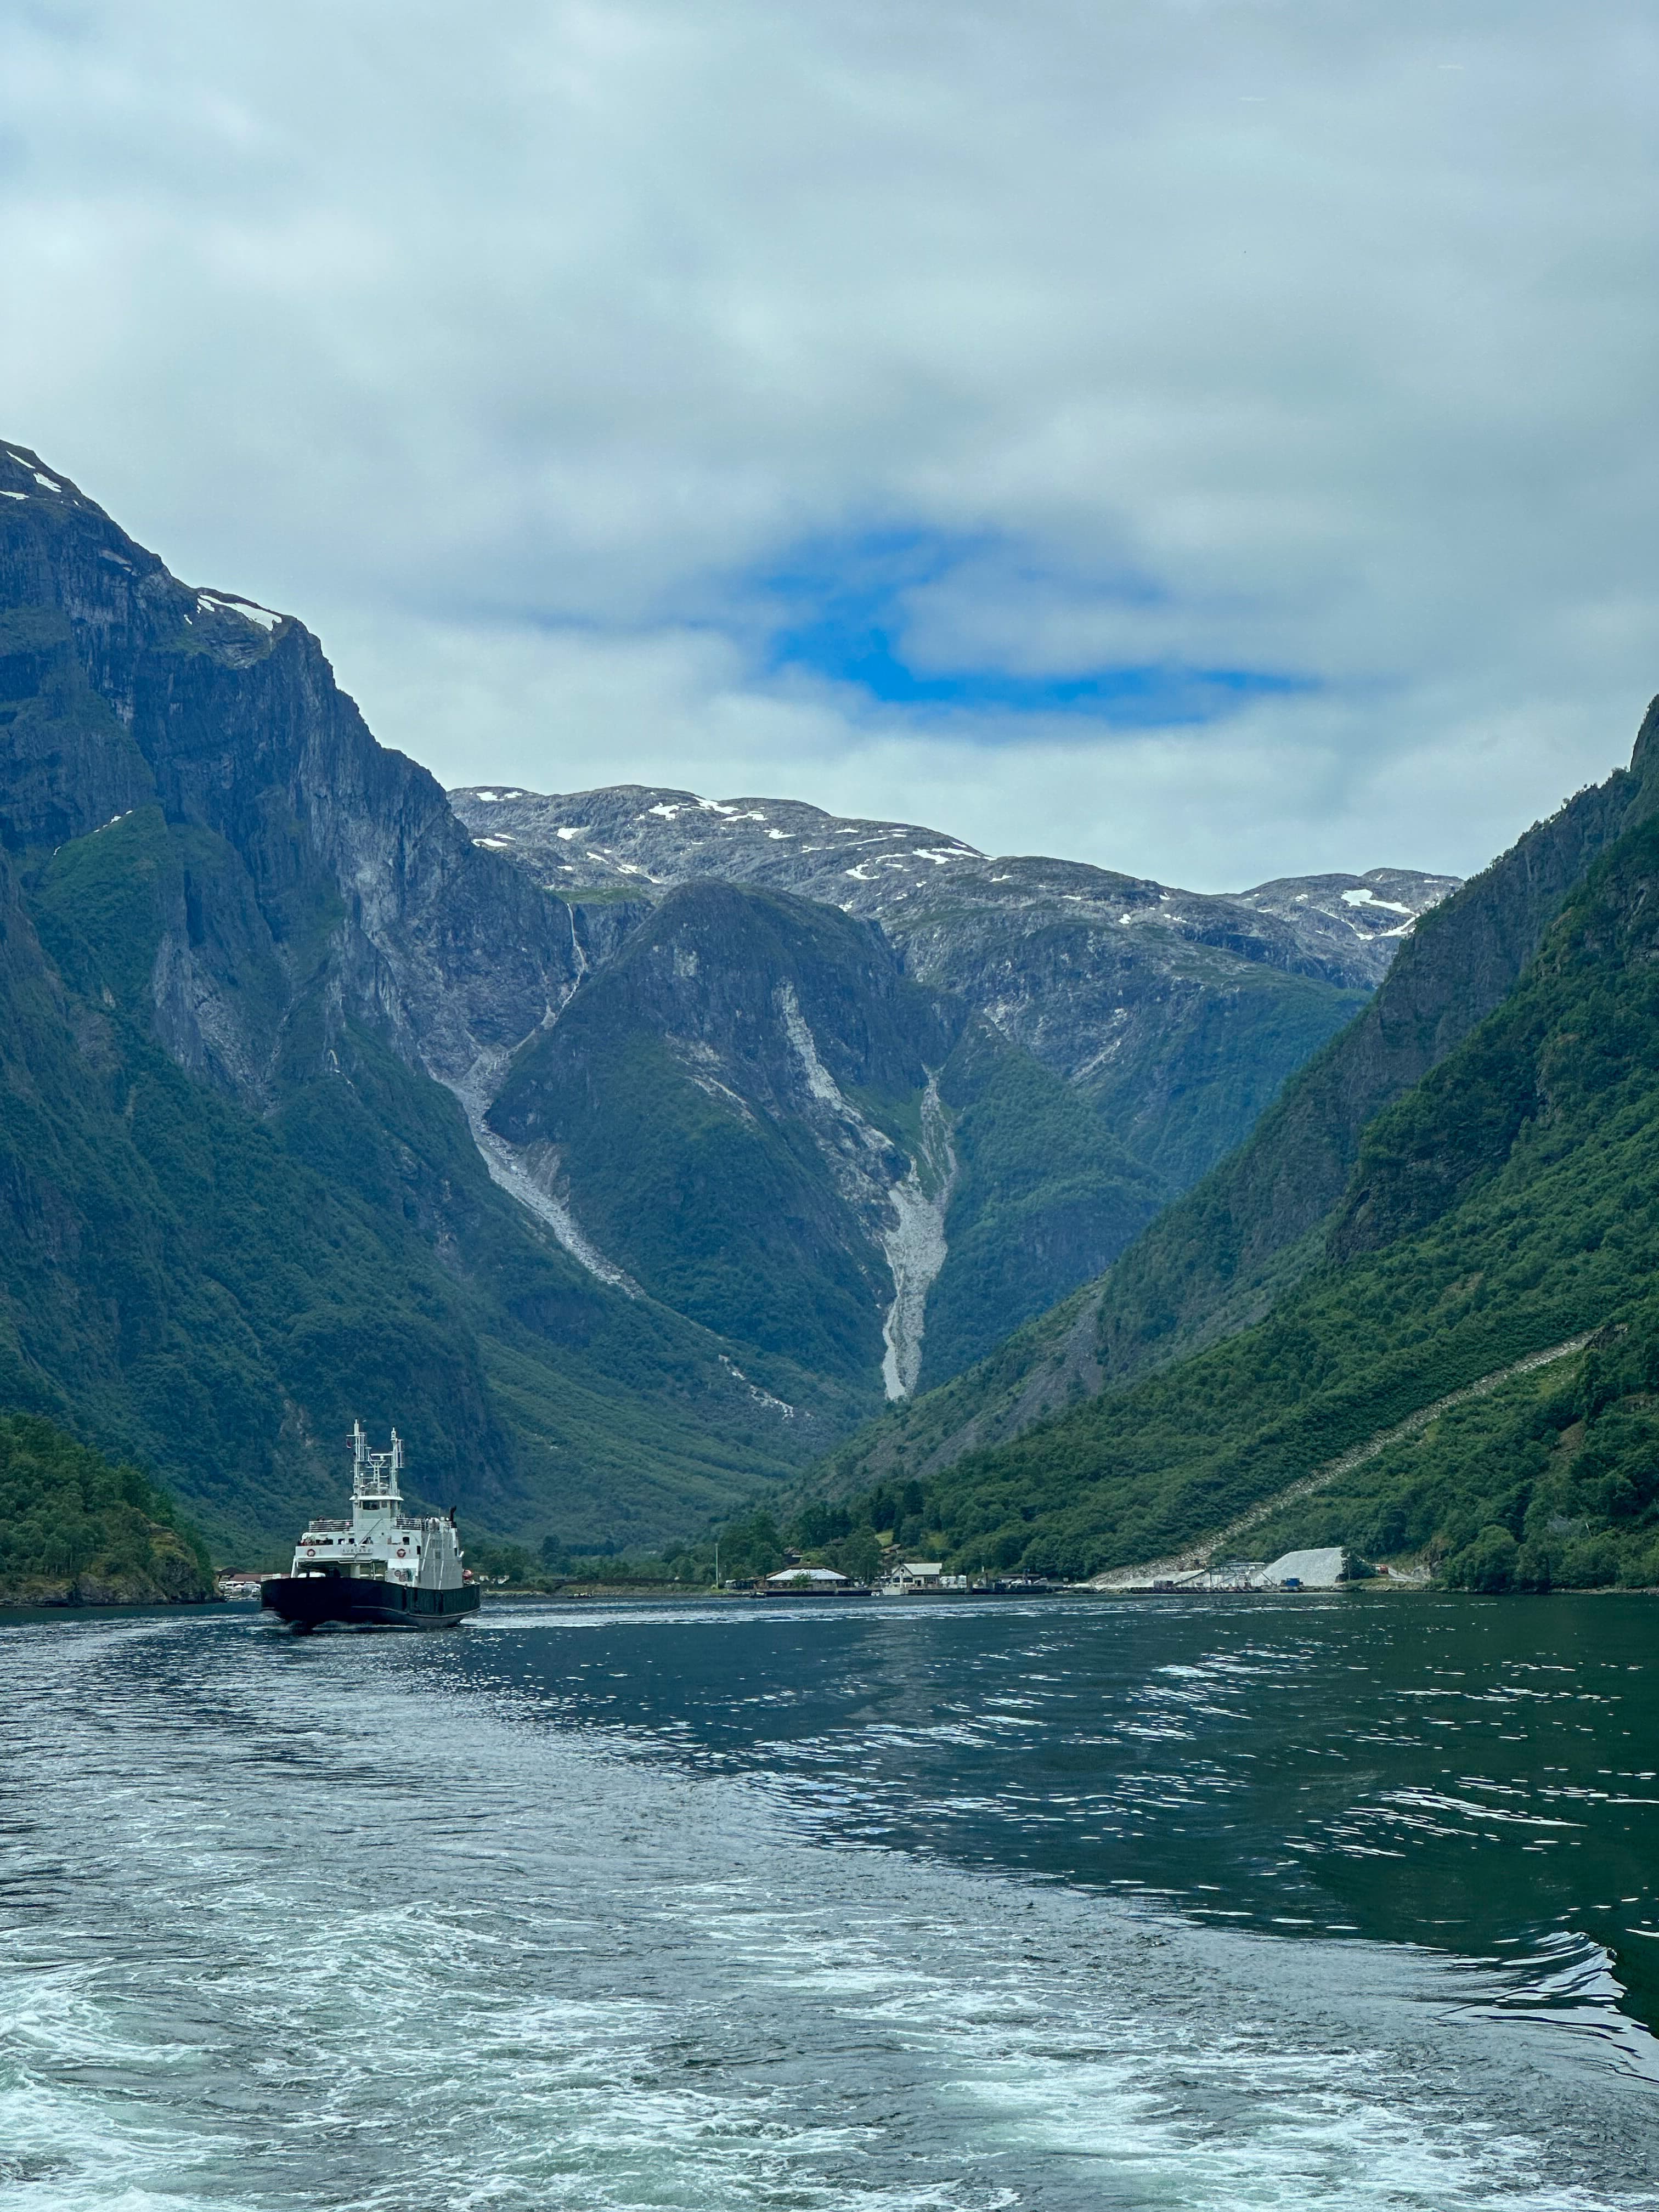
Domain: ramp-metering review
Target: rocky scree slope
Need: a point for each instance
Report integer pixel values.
(762, 1120)
(1177, 1014)
(1215, 1261)
(251, 967)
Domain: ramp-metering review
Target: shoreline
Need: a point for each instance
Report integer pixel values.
(47, 1611)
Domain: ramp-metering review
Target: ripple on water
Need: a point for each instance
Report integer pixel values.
(370, 1923)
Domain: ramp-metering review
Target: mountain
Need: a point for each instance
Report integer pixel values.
(1501, 1206)
(1177, 1014)
(763, 1122)
(250, 964)
(1079, 1043)
(624, 1196)
(1214, 1261)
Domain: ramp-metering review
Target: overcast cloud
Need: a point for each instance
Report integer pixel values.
(1210, 437)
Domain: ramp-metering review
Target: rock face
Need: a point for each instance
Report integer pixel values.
(252, 968)
(1179, 1014)
(129, 688)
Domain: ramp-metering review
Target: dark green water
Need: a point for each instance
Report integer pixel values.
(1479, 1775)
(1169, 1906)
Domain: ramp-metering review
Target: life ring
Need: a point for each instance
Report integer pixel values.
(402, 1555)
(310, 1555)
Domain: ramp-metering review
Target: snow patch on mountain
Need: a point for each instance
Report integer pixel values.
(1366, 897)
(226, 603)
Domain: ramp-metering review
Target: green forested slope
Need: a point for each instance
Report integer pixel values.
(703, 1155)
(217, 1293)
(75, 1530)
(1549, 1483)
(1044, 1194)
(1221, 1255)
(1508, 1201)
(1224, 1254)
(751, 1192)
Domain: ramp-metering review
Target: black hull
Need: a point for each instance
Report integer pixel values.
(318, 1601)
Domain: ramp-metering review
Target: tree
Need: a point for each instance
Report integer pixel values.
(1488, 1563)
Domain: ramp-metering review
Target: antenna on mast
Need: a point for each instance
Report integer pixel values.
(374, 1475)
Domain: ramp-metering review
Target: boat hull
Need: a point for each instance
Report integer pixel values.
(344, 1600)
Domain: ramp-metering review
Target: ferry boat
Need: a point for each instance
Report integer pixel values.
(381, 1569)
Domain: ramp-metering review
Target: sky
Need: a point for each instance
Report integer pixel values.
(1215, 438)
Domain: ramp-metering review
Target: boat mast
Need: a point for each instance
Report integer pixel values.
(374, 1475)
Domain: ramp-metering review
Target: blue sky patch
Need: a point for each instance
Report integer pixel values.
(839, 611)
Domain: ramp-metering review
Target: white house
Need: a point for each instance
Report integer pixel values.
(919, 1575)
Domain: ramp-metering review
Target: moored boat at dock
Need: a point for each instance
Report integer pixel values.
(383, 1568)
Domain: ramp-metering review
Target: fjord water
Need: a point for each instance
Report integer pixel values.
(1258, 1902)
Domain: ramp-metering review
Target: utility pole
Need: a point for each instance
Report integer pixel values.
(717, 1563)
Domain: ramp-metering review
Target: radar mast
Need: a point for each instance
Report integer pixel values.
(374, 1475)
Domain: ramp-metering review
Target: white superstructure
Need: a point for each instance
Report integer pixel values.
(382, 1542)
(909, 1577)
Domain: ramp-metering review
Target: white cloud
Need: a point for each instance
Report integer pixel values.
(504, 346)
(1272, 794)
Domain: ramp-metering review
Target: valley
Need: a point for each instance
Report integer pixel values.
(656, 1161)
(1379, 1244)
(628, 1150)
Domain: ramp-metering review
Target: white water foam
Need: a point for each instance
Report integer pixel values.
(357, 1924)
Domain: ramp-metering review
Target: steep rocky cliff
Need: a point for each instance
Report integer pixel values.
(249, 959)
(1178, 1014)
(126, 688)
